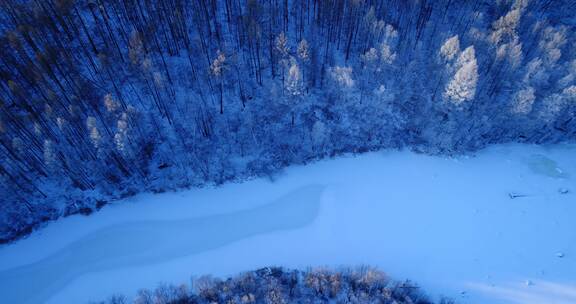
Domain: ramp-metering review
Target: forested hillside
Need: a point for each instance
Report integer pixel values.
(102, 99)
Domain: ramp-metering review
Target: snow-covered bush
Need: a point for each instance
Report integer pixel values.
(277, 285)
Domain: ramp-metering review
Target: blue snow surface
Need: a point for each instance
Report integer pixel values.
(495, 227)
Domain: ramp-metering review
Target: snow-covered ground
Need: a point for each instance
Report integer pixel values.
(450, 224)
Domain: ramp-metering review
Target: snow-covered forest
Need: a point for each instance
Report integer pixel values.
(103, 99)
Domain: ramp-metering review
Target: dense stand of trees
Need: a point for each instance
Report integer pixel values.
(273, 285)
(101, 99)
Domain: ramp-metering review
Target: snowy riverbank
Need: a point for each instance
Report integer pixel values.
(448, 224)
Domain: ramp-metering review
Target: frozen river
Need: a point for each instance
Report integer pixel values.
(496, 227)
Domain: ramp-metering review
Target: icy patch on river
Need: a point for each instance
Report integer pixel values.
(541, 164)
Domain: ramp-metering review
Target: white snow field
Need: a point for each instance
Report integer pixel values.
(494, 228)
